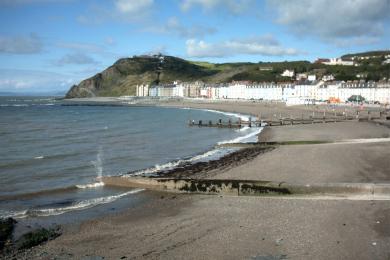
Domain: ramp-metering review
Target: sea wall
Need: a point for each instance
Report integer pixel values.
(247, 187)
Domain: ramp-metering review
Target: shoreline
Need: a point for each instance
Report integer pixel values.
(224, 227)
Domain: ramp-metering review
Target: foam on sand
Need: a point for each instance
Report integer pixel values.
(90, 185)
(80, 205)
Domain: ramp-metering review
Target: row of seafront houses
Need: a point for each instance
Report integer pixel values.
(291, 93)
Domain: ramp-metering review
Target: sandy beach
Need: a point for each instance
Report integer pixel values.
(189, 226)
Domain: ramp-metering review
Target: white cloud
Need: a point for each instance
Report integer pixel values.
(333, 20)
(127, 11)
(76, 59)
(232, 6)
(133, 6)
(173, 26)
(264, 45)
(109, 41)
(81, 47)
(89, 48)
(21, 44)
(34, 81)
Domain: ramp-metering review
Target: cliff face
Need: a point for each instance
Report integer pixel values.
(124, 75)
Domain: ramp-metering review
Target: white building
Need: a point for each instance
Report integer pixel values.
(288, 73)
(339, 61)
(142, 90)
(301, 76)
(329, 77)
(292, 93)
(311, 78)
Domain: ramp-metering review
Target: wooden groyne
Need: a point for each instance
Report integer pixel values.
(284, 121)
(249, 187)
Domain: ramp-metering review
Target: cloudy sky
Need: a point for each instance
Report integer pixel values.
(48, 45)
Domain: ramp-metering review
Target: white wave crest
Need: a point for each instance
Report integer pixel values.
(237, 115)
(85, 204)
(174, 164)
(158, 168)
(90, 185)
(14, 105)
(39, 157)
(13, 214)
(251, 137)
(204, 155)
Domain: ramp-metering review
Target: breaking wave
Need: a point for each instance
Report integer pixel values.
(80, 205)
(90, 185)
(237, 115)
(251, 137)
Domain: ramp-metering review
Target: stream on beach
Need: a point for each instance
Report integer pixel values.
(52, 155)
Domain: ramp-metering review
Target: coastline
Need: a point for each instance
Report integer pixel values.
(176, 226)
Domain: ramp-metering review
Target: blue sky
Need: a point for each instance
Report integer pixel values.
(48, 45)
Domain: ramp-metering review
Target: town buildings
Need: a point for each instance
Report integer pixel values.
(300, 92)
(336, 61)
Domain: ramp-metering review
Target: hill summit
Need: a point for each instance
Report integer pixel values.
(122, 77)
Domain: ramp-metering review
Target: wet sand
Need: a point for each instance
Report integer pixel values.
(214, 227)
(183, 226)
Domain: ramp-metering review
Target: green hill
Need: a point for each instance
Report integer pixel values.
(367, 54)
(124, 75)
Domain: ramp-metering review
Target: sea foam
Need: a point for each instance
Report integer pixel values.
(80, 205)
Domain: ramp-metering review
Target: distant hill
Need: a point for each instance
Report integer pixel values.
(367, 54)
(124, 75)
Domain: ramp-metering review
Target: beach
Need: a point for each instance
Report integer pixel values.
(195, 226)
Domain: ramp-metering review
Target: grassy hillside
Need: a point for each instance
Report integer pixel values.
(124, 75)
(366, 54)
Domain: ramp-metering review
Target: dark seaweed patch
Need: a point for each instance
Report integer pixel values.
(258, 189)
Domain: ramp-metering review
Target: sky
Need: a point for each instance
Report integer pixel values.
(49, 45)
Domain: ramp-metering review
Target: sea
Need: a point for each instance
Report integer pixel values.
(53, 153)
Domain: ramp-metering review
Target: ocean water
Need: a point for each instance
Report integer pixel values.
(51, 155)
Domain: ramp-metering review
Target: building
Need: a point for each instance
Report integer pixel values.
(300, 92)
(336, 61)
(329, 77)
(288, 73)
(301, 76)
(142, 90)
(312, 78)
